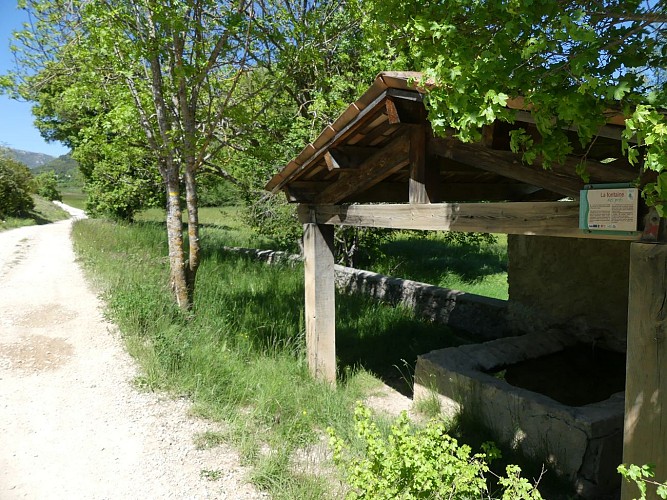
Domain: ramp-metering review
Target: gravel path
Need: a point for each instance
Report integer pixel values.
(71, 424)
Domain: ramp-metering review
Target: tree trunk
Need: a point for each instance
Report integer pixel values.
(193, 230)
(178, 274)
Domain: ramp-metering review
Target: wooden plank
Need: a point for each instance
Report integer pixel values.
(392, 112)
(335, 161)
(379, 134)
(507, 164)
(370, 172)
(418, 191)
(407, 111)
(608, 131)
(406, 95)
(320, 305)
(530, 218)
(645, 429)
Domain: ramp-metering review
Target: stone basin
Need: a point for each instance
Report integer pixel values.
(583, 443)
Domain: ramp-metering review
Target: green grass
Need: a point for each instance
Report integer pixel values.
(74, 197)
(44, 212)
(437, 259)
(240, 356)
(227, 222)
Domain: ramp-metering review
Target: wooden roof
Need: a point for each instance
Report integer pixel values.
(381, 149)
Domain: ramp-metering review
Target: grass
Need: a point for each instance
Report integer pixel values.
(74, 197)
(240, 357)
(44, 212)
(438, 259)
(214, 221)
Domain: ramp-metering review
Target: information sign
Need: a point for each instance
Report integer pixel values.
(609, 208)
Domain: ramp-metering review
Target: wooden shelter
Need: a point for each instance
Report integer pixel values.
(379, 165)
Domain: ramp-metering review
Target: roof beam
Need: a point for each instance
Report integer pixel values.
(609, 131)
(507, 164)
(397, 192)
(560, 178)
(421, 184)
(532, 218)
(372, 171)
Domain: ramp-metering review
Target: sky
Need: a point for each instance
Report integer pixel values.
(16, 121)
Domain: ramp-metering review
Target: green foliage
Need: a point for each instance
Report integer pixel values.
(15, 188)
(120, 185)
(570, 61)
(414, 462)
(46, 186)
(218, 192)
(642, 478)
(274, 218)
(66, 170)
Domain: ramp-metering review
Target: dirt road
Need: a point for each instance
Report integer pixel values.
(72, 426)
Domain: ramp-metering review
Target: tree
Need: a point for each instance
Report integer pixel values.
(572, 61)
(101, 127)
(46, 186)
(316, 61)
(15, 188)
(231, 88)
(177, 61)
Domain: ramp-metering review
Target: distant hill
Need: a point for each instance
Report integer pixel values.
(65, 167)
(29, 159)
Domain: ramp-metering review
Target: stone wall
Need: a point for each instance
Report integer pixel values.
(483, 317)
(580, 283)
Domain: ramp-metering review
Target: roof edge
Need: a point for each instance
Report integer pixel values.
(385, 80)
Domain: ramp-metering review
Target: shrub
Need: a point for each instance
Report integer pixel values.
(420, 462)
(643, 477)
(46, 186)
(15, 184)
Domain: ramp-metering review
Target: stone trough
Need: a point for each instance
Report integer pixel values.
(581, 443)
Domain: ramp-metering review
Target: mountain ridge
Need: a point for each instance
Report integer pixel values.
(28, 158)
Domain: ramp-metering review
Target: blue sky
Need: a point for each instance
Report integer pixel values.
(16, 121)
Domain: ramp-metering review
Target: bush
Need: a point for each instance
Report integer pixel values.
(46, 186)
(15, 188)
(274, 218)
(426, 462)
(218, 192)
(643, 478)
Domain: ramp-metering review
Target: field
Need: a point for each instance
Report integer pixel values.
(74, 197)
(470, 264)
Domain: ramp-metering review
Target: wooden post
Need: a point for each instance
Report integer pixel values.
(320, 301)
(418, 187)
(645, 430)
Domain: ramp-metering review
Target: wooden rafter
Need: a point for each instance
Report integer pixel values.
(372, 171)
(507, 164)
(390, 191)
